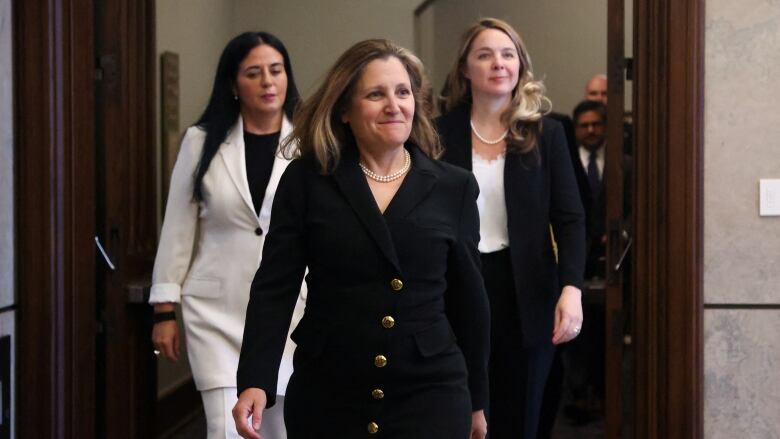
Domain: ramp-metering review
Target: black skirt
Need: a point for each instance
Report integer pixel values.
(339, 392)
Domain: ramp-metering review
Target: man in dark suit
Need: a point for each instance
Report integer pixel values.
(590, 128)
(584, 359)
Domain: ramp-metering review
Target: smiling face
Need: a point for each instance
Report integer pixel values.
(261, 83)
(381, 108)
(492, 64)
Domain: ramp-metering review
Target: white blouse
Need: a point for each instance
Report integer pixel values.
(491, 202)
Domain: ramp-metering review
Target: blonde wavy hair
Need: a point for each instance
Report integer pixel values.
(529, 104)
(319, 131)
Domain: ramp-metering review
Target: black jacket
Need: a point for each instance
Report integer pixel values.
(541, 191)
(426, 239)
(595, 205)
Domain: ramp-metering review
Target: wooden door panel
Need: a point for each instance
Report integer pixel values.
(54, 167)
(126, 213)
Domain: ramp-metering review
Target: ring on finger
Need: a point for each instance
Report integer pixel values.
(156, 352)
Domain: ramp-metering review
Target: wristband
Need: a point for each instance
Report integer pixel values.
(163, 316)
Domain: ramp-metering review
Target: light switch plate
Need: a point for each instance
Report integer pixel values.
(769, 190)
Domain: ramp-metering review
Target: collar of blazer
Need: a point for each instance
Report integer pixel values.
(234, 156)
(416, 186)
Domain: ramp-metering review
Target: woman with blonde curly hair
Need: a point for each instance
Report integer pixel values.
(394, 339)
(495, 126)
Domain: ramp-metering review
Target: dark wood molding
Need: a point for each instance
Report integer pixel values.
(668, 102)
(53, 108)
(127, 206)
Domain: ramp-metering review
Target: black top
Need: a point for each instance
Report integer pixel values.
(541, 191)
(260, 150)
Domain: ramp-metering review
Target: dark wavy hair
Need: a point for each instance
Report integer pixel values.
(223, 109)
(587, 105)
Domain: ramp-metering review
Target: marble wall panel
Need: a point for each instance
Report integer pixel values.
(741, 374)
(742, 145)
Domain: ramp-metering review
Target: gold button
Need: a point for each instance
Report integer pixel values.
(388, 322)
(373, 428)
(380, 361)
(377, 393)
(396, 284)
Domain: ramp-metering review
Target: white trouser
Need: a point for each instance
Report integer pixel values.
(218, 405)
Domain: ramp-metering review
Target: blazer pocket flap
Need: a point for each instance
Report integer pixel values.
(434, 339)
(207, 288)
(308, 338)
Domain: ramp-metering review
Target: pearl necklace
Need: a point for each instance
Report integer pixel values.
(484, 140)
(390, 177)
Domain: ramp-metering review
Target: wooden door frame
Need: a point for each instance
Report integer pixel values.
(668, 256)
(55, 75)
(55, 153)
(126, 215)
(614, 306)
(55, 251)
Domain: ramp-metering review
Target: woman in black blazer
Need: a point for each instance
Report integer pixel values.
(494, 126)
(394, 339)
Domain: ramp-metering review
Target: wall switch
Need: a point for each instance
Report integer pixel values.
(769, 190)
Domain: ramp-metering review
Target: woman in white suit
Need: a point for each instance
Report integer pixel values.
(217, 213)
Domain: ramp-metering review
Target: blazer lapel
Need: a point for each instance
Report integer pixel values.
(352, 183)
(280, 164)
(418, 183)
(232, 153)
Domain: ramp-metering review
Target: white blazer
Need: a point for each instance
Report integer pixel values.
(209, 252)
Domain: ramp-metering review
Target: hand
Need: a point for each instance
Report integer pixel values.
(478, 425)
(250, 403)
(568, 315)
(165, 335)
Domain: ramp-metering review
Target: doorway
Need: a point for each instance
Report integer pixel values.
(54, 116)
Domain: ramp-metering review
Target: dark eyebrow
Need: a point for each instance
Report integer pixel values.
(257, 67)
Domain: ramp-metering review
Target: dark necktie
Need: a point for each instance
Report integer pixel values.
(593, 174)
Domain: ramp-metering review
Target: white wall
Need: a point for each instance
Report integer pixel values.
(197, 30)
(316, 32)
